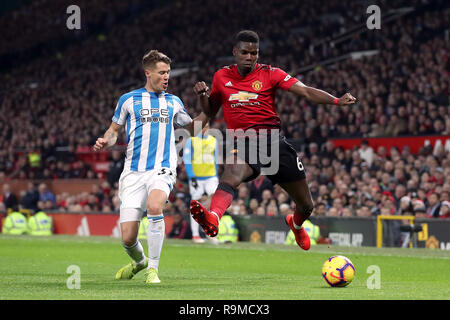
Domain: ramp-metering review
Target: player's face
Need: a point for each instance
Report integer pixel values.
(158, 76)
(246, 54)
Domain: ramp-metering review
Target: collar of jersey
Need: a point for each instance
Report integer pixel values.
(150, 92)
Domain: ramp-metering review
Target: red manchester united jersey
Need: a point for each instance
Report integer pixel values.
(249, 101)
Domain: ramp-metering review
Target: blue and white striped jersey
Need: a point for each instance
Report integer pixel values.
(149, 120)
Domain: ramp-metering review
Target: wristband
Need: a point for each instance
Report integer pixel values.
(335, 101)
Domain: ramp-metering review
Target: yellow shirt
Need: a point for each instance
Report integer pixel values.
(200, 157)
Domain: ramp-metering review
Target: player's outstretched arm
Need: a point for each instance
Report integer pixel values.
(209, 107)
(110, 137)
(320, 96)
(197, 124)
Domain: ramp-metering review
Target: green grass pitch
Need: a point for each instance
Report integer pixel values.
(36, 268)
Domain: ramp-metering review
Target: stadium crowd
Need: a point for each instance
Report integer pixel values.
(66, 99)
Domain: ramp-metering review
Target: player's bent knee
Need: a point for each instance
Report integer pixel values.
(234, 183)
(129, 241)
(154, 209)
(233, 175)
(129, 236)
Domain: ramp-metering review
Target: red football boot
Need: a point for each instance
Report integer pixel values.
(208, 221)
(301, 236)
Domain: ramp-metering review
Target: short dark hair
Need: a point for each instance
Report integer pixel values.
(152, 57)
(246, 36)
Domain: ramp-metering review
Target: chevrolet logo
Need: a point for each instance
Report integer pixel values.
(243, 96)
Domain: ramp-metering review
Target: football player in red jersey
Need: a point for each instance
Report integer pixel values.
(246, 92)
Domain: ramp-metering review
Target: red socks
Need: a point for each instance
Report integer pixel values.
(299, 218)
(222, 199)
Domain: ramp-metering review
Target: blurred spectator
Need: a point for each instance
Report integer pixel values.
(352, 202)
(260, 211)
(420, 212)
(31, 197)
(406, 206)
(243, 210)
(234, 207)
(320, 209)
(180, 228)
(258, 185)
(272, 210)
(253, 206)
(445, 210)
(285, 209)
(2, 210)
(366, 152)
(337, 204)
(243, 194)
(434, 205)
(282, 198)
(46, 195)
(363, 212)
(266, 198)
(115, 167)
(333, 212)
(9, 198)
(347, 212)
(385, 211)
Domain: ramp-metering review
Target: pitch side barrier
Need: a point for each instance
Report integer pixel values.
(352, 231)
(381, 231)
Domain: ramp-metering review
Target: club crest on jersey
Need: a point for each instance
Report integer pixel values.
(154, 115)
(257, 85)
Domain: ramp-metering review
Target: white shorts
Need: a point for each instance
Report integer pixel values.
(203, 186)
(134, 188)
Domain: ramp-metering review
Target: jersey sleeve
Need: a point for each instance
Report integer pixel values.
(281, 79)
(181, 117)
(121, 112)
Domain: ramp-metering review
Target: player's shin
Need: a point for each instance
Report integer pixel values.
(194, 228)
(136, 252)
(155, 239)
(130, 229)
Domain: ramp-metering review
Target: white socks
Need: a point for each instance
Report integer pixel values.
(136, 252)
(217, 216)
(155, 238)
(296, 226)
(194, 227)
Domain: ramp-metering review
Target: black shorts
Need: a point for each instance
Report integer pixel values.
(282, 165)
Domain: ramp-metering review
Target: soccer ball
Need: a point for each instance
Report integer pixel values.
(338, 271)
